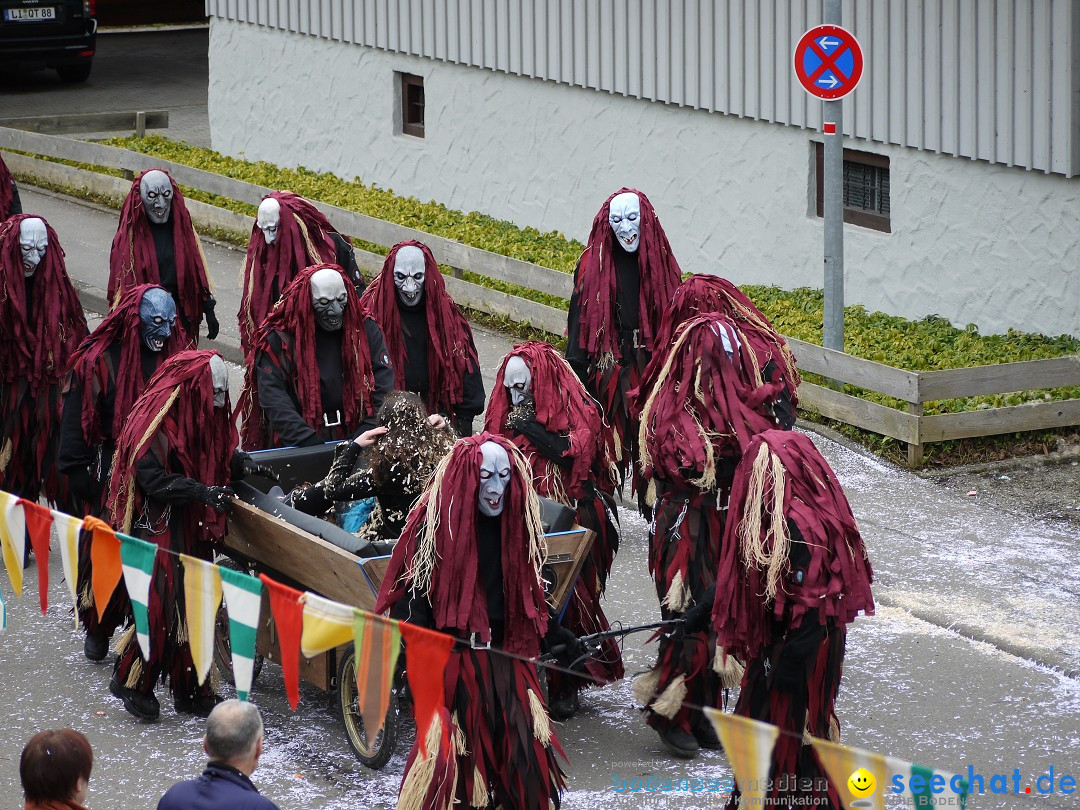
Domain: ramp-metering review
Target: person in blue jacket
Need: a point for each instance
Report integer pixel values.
(233, 741)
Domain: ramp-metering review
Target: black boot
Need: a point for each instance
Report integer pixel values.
(564, 707)
(199, 705)
(145, 707)
(95, 647)
(678, 742)
(705, 734)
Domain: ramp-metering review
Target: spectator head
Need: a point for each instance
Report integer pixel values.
(234, 732)
(55, 766)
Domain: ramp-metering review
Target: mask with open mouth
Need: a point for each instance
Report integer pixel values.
(624, 216)
(329, 298)
(269, 219)
(33, 241)
(157, 314)
(156, 191)
(409, 273)
(494, 478)
(518, 380)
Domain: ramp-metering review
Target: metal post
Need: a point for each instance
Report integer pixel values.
(832, 113)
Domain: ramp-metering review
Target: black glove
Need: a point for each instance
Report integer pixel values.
(463, 425)
(212, 326)
(564, 645)
(84, 487)
(217, 498)
(522, 414)
(238, 465)
(696, 619)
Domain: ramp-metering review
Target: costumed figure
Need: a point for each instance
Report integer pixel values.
(770, 356)
(403, 451)
(157, 244)
(699, 407)
(540, 405)
(794, 574)
(175, 457)
(289, 234)
(430, 342)
(10, 204)
(321, 366)
(109, 372)
(41, 327)
(468, 564)
(622, 285)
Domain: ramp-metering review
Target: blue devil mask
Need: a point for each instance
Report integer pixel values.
(157, 312)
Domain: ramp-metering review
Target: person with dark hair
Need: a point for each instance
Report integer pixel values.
(10, 204)
(234, 743)
(55, 770)
(402, 453)
(321, 366)
(41, 327)
(622, 285)
(156, 243)
(430, 342)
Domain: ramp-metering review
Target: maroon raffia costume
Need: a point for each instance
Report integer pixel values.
(458, 571)
(10, 204)
(169, 255)
(41, 327)
(794, 573)
(615, 314)
(770, 355)
(109, 373)
(699, 408)
(434, 335)
(307, 372)
(562, 436)
(172, 457)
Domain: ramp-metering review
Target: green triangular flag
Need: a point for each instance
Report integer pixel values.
(137, 557)
(243, 600)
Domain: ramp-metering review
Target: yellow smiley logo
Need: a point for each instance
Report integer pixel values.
(861, 783)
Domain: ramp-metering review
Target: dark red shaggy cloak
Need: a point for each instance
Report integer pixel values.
(303, 239)
(293, 316)
(133, 259)
(37, 339)
(659, 271)
(7, 191)
(451, 351)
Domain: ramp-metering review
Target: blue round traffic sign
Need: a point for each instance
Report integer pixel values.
(828, 62)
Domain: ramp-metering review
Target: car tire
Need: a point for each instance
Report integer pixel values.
(74, 74)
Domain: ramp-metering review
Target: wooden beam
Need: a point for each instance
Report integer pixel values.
(874, 376)
(1003, 378)
(995, 421)
(88, 122)
(860, 412)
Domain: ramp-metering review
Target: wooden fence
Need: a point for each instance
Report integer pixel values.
(914, 388)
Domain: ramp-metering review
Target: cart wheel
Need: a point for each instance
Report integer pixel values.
(222, 644)
(373, 753)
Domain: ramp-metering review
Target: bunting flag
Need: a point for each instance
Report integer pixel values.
(202, 600)
(378, 643)
(38, 525)
(67, 531)
(105, 563)
(427, 653)
(863, 778)
(749, 746)
(243, 599)
(288, 613)
(13, 538)
(137, 564)
(326, 625)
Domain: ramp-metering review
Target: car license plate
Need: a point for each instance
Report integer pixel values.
(30, 14)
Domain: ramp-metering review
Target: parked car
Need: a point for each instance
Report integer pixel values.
(58, 34)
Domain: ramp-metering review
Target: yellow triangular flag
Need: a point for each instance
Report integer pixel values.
(749, 746)
(326, 625)
(843, 766)
(13, 538)
(67, 530)
(202, 595)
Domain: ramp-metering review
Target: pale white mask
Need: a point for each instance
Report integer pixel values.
(156, 191)
(624, 216)
(269, 219)
(219, 373)
(518, 379)
(728, 337)
(409, 273)
(33, 240)
(494, 478)
(329, 297)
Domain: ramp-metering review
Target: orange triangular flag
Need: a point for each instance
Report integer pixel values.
(106, 568)
(38, 526)
(288, 611)
(427, 653)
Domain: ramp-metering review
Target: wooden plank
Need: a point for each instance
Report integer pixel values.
(1002, 378)
(869, 374)
(304, 558)
(995, 421)
(859, 412)
(539, 316)
(565, 555)
(86, 122)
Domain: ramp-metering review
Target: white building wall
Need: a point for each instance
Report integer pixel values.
(971, 241)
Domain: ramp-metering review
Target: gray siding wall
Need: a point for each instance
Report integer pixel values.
(994, 80)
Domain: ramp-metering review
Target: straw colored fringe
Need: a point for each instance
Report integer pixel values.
(671, 699)
(5, 455)
(645, 686)
(728, 668)
(770, 552)
(417, 782)
(202, 255)
(313, 255)
(541, 721)
(480, 796)
(86, 597)
(151, 429)
(677, 597)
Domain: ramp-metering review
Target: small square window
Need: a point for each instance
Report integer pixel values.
(412, 105)
(866, 189)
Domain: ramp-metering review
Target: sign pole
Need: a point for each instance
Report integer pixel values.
(832, 116)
